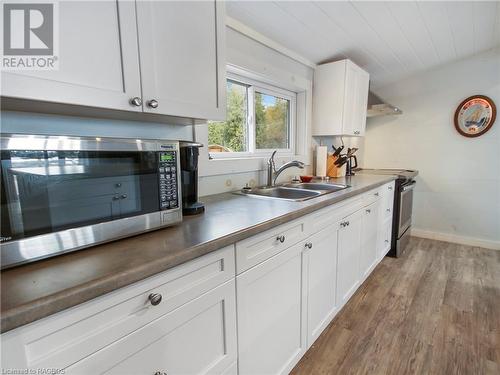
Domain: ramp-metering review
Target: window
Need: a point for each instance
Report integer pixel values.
(259, 118)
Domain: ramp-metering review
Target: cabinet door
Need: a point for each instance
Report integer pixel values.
(98, 59)
(197, 338)
(321, 279)
(356, 100)
(182, 58)
(384, 238)
(349, 246)
(361, 104)
(368, 257)
(271, 318)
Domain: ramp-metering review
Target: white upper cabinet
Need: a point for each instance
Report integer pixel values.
(340, 98)
(98, 59)
(160, 57)
(182, 58)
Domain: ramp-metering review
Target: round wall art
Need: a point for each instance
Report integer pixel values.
(475, 116)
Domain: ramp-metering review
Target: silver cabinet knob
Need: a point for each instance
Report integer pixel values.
(386, 241)
(136, 101)
(153, 103)
(376, 194)
(388, 210)
(347, 223)
(309, 245)
(155, 299)
(280, 239)
(357, 132)
(368, 211)
(123, 196)
(118, 184)
(160, 373)
(116, 197)
(390, 188)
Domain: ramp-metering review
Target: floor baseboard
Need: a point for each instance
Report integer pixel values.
(469, 241)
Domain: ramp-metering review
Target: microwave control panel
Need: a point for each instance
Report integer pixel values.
(167, 171)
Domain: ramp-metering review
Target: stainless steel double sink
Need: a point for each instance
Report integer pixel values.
(294, 192)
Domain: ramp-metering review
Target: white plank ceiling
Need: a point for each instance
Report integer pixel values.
(391, 40)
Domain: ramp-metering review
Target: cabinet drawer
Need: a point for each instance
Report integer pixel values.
(197, 338)
(256, 249)
(373, 195)
(329, 216)
(67, 337)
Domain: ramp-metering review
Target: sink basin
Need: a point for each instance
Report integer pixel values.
(318, 186)
(280, 192)
(295, 192)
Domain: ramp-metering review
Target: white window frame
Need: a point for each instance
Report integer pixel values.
(252, 86)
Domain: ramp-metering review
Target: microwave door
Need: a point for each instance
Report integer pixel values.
(64, 190)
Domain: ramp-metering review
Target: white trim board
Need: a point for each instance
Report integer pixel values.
(453, 238)
(258, 37)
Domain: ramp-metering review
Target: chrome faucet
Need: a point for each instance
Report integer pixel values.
(272, 173)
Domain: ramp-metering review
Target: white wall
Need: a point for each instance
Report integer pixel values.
(271, 67)
(458, 192)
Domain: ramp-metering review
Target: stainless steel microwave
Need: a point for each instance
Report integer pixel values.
(60, 194)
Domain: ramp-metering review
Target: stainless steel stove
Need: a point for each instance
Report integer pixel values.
(403, 205)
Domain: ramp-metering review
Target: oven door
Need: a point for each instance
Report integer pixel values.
(405, 207)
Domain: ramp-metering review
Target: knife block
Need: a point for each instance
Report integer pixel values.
(331, 169)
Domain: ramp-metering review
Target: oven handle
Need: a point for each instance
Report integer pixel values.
(409, 186)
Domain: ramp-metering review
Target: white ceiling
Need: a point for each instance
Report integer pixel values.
(391, 40)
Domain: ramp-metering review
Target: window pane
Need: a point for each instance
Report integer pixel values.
(231, 135)
(271, 121)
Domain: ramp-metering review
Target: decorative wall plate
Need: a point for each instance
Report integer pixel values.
(475, 116)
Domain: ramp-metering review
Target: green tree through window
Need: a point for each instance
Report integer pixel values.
(230, 135)
(268, 128)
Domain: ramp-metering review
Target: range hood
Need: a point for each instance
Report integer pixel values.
(377, 107)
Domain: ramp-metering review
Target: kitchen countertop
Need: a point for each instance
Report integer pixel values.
(34, 291)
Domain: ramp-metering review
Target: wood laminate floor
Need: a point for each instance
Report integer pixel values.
(435, 311)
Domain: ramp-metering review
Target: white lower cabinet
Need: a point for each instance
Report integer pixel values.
(349, 247)
(384, 238)
(270, 309)
(191, 330)
(197, 338)
(320, 279)
(249, 309)
(369, 245)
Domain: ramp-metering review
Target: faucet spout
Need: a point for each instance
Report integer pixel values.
(272, 173)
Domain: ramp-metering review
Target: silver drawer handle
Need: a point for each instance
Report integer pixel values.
(153, 103)
(136, 101)
(280, 239)
(155, 299)
(309, 245)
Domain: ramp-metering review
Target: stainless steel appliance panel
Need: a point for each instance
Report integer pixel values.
(62, 194)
